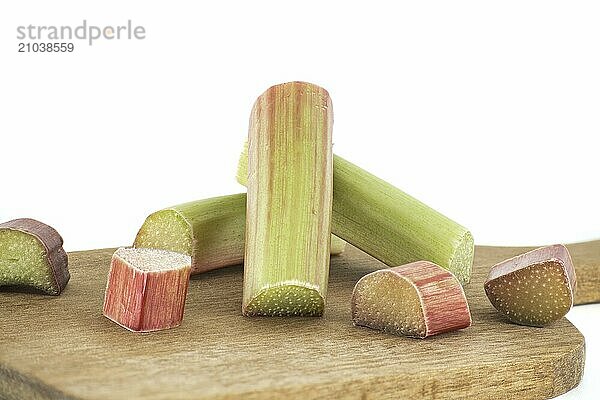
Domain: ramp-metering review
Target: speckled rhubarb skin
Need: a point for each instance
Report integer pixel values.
(443, 302)
(544, 297)
(145, 301)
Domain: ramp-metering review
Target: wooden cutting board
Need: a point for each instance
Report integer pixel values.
(62, 347)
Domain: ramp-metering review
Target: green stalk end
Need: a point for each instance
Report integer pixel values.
(337, 246)
(461, 261)
(167, 230)
(23, 262)
(285, 300)
(242, 169)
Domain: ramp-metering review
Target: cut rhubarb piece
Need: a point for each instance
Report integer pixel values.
(31, 255)
(146, 289)
(419, 299)
(535, 288)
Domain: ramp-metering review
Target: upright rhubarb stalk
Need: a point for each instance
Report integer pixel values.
(288, 214)
(389, 224)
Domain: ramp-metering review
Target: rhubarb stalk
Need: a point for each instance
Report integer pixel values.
(211, 231)
(389, 224)
(288, 216)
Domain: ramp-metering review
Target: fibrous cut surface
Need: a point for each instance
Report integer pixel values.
(536, 295)
(153, 260)
(24, 262)
(388, 302)
(167, 230)
(286, 300)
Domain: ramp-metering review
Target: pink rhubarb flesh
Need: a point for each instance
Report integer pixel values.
(146, 288)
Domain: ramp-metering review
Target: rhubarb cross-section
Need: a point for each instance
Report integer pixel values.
(419, 299)
(535, 288)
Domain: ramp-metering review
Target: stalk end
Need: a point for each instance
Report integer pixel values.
(242, 169)
(462, 259)
(337, 246)
(285, 300)
(165, 230)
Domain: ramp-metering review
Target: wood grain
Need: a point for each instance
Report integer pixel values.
(62, 347)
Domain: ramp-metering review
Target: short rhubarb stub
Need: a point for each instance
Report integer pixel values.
(32, 256)
(535, 288)
(146, 288)
(419, 299)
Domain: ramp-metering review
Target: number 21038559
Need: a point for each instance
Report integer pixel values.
(46, 47)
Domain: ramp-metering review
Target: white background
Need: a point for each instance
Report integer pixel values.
(487, 111)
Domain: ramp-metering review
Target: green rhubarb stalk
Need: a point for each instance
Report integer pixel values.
(211, 231)
(288, 217)
(389, 224)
